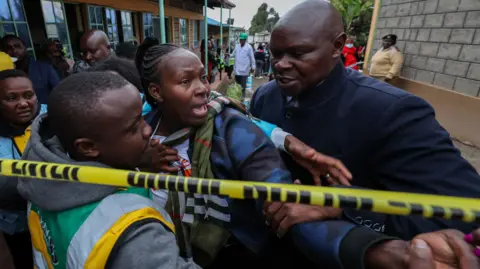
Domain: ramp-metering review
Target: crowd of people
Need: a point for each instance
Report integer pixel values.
(316, 123)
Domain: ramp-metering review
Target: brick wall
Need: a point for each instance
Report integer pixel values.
(439, 39)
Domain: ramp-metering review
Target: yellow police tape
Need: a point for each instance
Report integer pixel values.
(397, 203)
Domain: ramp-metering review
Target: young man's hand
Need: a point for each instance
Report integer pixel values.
(318, 164)
(162, 156)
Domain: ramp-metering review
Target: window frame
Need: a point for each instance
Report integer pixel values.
(148, 28)
(30, 48)
(183, 44)
(113, 37)
(127, 26)
(96, 24)
(56, 24)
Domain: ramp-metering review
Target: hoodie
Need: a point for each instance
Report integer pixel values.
(148, 246)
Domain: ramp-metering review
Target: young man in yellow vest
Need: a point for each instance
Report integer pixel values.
(95, 119)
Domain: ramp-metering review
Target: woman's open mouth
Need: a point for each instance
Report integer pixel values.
(200, 111)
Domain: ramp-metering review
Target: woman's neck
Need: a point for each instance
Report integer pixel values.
(167, 128)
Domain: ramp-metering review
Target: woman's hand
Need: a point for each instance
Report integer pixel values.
(318, 164)
(162, 156)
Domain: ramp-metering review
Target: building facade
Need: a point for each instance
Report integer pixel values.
(440, 41)
(35, 21)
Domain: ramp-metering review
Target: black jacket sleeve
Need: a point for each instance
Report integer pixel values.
(417, 155)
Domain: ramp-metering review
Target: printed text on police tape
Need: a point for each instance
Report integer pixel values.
(465, 209)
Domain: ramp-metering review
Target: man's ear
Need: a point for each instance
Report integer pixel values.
(155, 91)
(338, 44)
(86, 147)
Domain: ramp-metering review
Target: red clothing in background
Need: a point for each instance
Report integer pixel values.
(350, 56)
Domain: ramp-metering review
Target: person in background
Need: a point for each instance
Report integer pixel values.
(128, 70)
(259, 61)
(42, 75)
(126, 50)
(244, 61)
(95, 46)
(18, 107)
(95, 119)
(211, 57)
(266, 66)
(229, 62)
(404, 149)
(387, 62)
(350, 54)
(56, 57)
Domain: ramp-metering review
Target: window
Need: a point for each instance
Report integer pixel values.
(183, 33)
(127, 27)
(55, 23)
(148, 26)
(14, 22)
(195, 34)
(95, 18)
(112, 31)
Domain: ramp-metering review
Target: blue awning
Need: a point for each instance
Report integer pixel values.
(215, 23)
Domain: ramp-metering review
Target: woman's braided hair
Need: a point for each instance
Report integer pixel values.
(149, 54)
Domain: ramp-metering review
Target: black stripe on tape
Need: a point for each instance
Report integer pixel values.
(131, 179)
(305, 197)
(180, 184)
(262, 192)
(276, 194)
(171, 184)
(204, 186)
(328, 199)
(348, 201)
(366, 203)
(16, 170)
(75, 173)
(192, 185)
(457, 213)
(215, 188)
(43, 170)
(65, 172)
(438, 211)
(416, 209)
(291, 197)
(248, 192)
(151, 181)
(54, 172)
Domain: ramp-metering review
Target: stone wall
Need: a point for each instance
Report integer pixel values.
(439, 39)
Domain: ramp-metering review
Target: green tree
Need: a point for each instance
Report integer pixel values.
(264, 20)
(357, 15)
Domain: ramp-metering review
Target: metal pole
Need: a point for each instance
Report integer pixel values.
(221, 30)
(229, 28)
(206, 36)
(161, 14)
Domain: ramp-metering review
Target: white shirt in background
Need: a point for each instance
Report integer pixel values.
(244, 59)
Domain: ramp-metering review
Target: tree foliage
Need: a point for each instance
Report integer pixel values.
(264, 20)
(357, 15)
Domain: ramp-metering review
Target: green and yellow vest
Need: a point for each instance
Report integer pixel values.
(84, 237)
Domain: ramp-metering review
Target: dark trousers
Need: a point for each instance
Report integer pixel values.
(20, 247)
(229, 70)
(242, 80)
(259, 68)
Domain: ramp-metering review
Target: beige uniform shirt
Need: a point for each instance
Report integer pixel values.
(386, 63)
